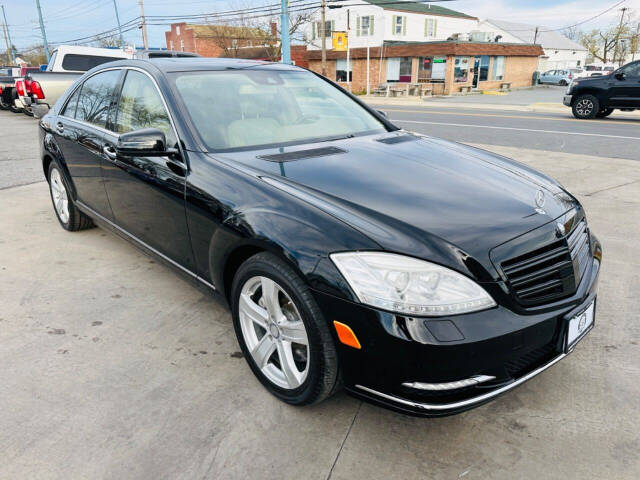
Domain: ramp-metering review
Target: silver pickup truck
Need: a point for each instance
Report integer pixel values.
(67, 64)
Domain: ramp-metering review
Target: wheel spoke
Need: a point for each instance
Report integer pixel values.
(288, 366)
(263, 350)
(270, 297)
(294, 332)
(59, 205)
(255, 312)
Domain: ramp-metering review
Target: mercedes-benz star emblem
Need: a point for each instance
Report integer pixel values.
(582, 322)
(540, 199)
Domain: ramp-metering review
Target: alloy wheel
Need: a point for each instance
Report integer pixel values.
(274, 332)
(584, 107)
(59, 195)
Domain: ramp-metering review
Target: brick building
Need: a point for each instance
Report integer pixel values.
(220, 40)
(446, 66)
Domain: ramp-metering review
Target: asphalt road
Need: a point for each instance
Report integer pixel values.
(614, 137)
(114, 367)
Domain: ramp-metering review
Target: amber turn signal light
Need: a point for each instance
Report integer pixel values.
(346, 335)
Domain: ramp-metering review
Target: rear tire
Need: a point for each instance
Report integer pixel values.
(563, 83)
(604, 113)
(66, 211)
(271, 304)
(585, 107)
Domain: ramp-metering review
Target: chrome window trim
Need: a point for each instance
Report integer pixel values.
(469, 401)
(92, 212)
(104, 130)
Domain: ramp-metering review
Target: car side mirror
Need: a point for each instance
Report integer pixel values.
(147, 142)
(620, 75)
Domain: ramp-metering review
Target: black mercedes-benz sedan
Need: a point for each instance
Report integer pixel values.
(422, 275)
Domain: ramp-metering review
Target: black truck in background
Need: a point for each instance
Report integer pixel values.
(598, 97)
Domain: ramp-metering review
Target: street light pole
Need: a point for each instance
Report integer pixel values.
(44, 34)
(145, 41)
(7, 37)
(285, 38)
(119, 26)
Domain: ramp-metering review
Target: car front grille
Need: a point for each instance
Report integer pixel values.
(550, 272)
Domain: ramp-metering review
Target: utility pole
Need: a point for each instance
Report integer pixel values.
(7, 37)
(616, 49)
(44, 34)
(285, 40)
(348, 52)
(535, 36)
(119, 26)
(143, 25)
(323, 23)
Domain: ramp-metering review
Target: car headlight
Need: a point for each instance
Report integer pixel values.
(410, 286)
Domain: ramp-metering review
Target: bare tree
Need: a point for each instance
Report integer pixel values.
(572, 33)
(108, 41)
(251, 30)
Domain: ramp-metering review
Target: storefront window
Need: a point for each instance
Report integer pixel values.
(483, 74)
(399, 69)
(461, 70)
(341, 70)
(432, 69)
(498, 68)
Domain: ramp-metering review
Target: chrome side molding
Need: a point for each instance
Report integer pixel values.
(93, 213)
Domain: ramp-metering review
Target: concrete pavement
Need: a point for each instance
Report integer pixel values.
(114, 367)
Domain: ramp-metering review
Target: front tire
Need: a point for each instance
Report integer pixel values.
(604, 113)
(586, 107)
(282, 332)
(66, 211)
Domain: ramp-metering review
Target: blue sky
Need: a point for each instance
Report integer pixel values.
(70, 19)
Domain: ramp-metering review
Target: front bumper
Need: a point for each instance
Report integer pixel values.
(567, 100)
(499, 343)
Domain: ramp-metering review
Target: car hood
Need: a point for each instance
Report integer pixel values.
(412, 193)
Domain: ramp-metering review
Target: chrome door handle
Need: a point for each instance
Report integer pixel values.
(59, 127)
(109, 152)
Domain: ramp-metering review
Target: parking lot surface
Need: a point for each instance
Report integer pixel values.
(114, 367)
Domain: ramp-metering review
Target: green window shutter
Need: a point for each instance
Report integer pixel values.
(357, 26)
(435, 27)
(371, 25)
(313, 30)
(426, 27)
(333, 26)
(404, 25)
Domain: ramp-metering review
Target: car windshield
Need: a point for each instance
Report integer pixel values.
(251, 108)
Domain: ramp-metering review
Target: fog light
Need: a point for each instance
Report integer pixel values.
(468, 382)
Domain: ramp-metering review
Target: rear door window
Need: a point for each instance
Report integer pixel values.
(71, 106)
(96, 96)
(82, 63)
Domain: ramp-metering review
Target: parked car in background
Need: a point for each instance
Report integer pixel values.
(599, 70)
(423, 275)
(599, 96)
(559, 77)
(66, 65)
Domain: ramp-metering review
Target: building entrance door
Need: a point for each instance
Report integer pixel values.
(476, 71)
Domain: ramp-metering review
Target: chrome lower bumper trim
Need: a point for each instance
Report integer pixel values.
(469, 401)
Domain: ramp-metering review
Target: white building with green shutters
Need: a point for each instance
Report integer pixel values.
(372, 22)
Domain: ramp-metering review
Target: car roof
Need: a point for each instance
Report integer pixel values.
(203, 63)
